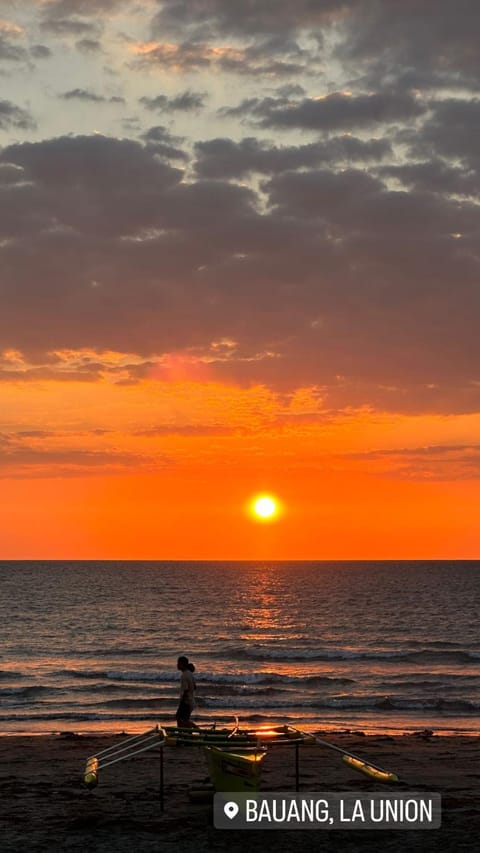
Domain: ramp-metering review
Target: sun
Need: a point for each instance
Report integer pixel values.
(264, 507)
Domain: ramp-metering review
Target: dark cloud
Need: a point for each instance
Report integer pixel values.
(385, 44)
(429, 45)
(82, 95)
(184, 102)
(330, 273)
(344, 262)
(249, 18)
(324, 193)
(124, 177)
(12, 116)
(382, 44)
(10, 50)
(40, 51)
(434, 463)
(451, 131)
(69, 26)
(164, 143)
(77, 17)
(435, 176)
(337, 111)
(160, 133)
(23, 461)
(10, 174)
(89, 45)
(34, 433)
(290, 90)
(224, 158)
(65, 8)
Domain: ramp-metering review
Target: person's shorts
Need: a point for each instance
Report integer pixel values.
(183, 712)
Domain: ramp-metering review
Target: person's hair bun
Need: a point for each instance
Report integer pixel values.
(191, 667)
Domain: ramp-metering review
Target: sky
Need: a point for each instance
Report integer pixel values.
(239, 255)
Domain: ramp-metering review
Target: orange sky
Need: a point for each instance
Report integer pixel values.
(160, 469)
(239, 254)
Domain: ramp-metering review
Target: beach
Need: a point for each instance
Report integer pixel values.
(45, 805)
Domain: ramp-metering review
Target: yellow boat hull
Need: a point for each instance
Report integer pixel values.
(234, 771)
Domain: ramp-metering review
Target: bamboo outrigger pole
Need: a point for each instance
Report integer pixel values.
(356, 763)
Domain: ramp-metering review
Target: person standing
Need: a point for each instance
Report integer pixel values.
(187, 691)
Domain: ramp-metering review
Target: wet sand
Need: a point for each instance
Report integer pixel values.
(44, 805)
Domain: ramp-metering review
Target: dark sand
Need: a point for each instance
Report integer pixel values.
(45, 807)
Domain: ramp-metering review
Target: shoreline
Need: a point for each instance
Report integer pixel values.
(334, 728)
(323, 732)
(47, 807)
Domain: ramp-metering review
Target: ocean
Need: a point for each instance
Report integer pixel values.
(372, 646)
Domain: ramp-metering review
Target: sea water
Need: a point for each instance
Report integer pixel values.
(377, 646)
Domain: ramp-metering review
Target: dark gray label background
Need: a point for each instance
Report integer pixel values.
(340, 807)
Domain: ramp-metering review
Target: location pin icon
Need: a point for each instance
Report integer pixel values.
(231, 810)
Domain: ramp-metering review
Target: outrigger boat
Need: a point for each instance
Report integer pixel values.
(234, 755)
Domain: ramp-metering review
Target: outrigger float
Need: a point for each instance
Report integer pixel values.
(234, 756)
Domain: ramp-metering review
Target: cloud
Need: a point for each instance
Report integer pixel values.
(87, 95)
(405, 45)
(40, 51)
(434, 176)
(322, 275)
(77, 17)
(69, 26)
(10, 28)
(13, 51)
(186, 431)
(10, 50)
(383, 45)
(82, 95)
(89, 45)
(164, 143)
(184, 102)
(12, 116)
(430, 464)
(225, 158)
(196, 56)
(22, 461)
(450, 131)
(337, 111)
(64, 8)
(81, 365)
(244, 19)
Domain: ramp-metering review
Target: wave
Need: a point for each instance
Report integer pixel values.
(435, 644)
(149, 711)
(240, 678)
(305, 655)
(119, 651)
(366, 703)
(74, 716)
(115, 675)
(157, 702)
(10, 674)
(30, 692)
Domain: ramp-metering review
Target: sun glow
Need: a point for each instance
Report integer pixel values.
(264, 507)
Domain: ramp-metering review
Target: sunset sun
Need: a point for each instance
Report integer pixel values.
(264, 508)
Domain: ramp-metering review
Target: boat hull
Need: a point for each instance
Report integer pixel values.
(234, 771)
